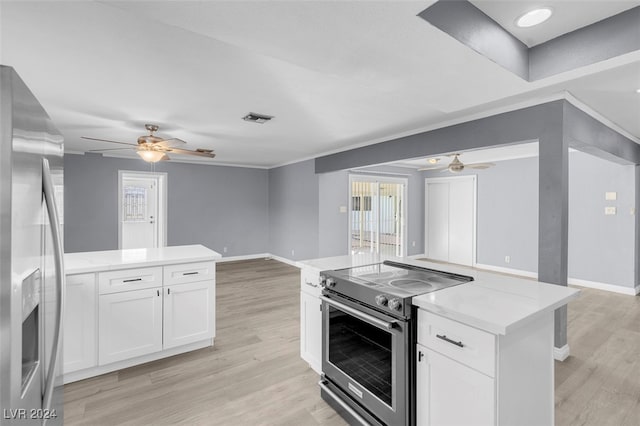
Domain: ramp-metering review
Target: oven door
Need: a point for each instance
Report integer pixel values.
(364, 353)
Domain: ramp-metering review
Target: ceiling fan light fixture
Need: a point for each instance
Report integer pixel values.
(152, 156)
(534, 17)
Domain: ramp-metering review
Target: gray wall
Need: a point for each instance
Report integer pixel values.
(334, 193)
(211, 205)
(293, 211)
(507, 213)
(601, 248)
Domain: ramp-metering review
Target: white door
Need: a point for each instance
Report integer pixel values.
(141, 210)
(188, 313)
(130, 324)
(450, 219)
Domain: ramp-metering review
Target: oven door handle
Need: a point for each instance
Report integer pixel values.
(387, 325)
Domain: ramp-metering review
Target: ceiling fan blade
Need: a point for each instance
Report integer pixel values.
(433, 168)
(188, 152)
(107, 140)
(171, 142)
(110, 149)
(479, 165)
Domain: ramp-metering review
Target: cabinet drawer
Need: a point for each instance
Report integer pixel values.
(310, 281)
(460, 342)
(189, 273)
(129, 279)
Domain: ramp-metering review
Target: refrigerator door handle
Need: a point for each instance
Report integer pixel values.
(47, 189)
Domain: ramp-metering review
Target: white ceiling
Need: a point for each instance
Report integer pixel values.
(568, 15)
(335, 74)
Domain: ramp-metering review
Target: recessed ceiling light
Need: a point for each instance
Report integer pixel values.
(534, 17)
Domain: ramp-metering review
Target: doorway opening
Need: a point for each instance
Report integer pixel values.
(377, 208)
(142, 209)
(450, 216)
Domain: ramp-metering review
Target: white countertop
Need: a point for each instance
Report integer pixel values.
(94, 261)
(493, 302)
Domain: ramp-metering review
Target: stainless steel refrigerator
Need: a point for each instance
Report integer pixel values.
(31, 258)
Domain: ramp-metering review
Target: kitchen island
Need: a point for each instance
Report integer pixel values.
(483, 352)
(127, 307)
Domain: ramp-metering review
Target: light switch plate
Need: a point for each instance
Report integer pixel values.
(343, 209)
(610, 196)
(609, 210)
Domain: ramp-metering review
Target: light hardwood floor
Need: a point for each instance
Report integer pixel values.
(254, 375)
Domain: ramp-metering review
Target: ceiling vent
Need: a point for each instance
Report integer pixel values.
(257, 118)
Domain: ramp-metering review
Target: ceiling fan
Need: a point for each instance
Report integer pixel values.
(456, 166)
(153, 148)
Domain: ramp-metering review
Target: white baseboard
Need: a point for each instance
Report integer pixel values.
(560, 354)
(511, 271)
(631, 291)
(244, 257)
(284, 260)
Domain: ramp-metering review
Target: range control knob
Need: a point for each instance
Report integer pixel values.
(323, 281)
(395, 304)
(381, 300)
(330, 282)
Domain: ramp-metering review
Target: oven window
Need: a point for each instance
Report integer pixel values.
(362, 351)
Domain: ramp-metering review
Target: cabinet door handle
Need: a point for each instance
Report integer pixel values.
(446, 339)
(158, 292)
(420, 355)
(132, 280)
(168, 291)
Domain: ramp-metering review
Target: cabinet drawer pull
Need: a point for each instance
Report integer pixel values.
(446, 339)
(190, 273)
(309, 283)
(132, 280)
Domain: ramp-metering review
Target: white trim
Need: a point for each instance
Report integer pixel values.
(560, 354)
(284, 260)
(474, 232)
(417, 256)
(243, 257)
(520, 272)
(631, 291)
(161, 201)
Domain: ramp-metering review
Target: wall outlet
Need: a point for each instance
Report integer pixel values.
(610, 196)
(609, 210)
(507, 259)
(343, 209)
(224, 249)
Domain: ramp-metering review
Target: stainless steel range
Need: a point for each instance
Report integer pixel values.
(368, 337)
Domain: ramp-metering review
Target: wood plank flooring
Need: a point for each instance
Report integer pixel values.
(254, 375)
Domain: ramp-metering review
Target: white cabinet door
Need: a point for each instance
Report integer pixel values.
(189, 313)
(130, 324)
(450, 393)
(80, 323)
(311, 330)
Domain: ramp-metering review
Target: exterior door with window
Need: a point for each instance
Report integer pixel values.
(139, 213)
(377, 215)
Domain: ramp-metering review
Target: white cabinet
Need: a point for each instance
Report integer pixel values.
(450, 393)
(311, 318)
(189, 313)
(80, 333)
(468, 376)
(130, 324)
